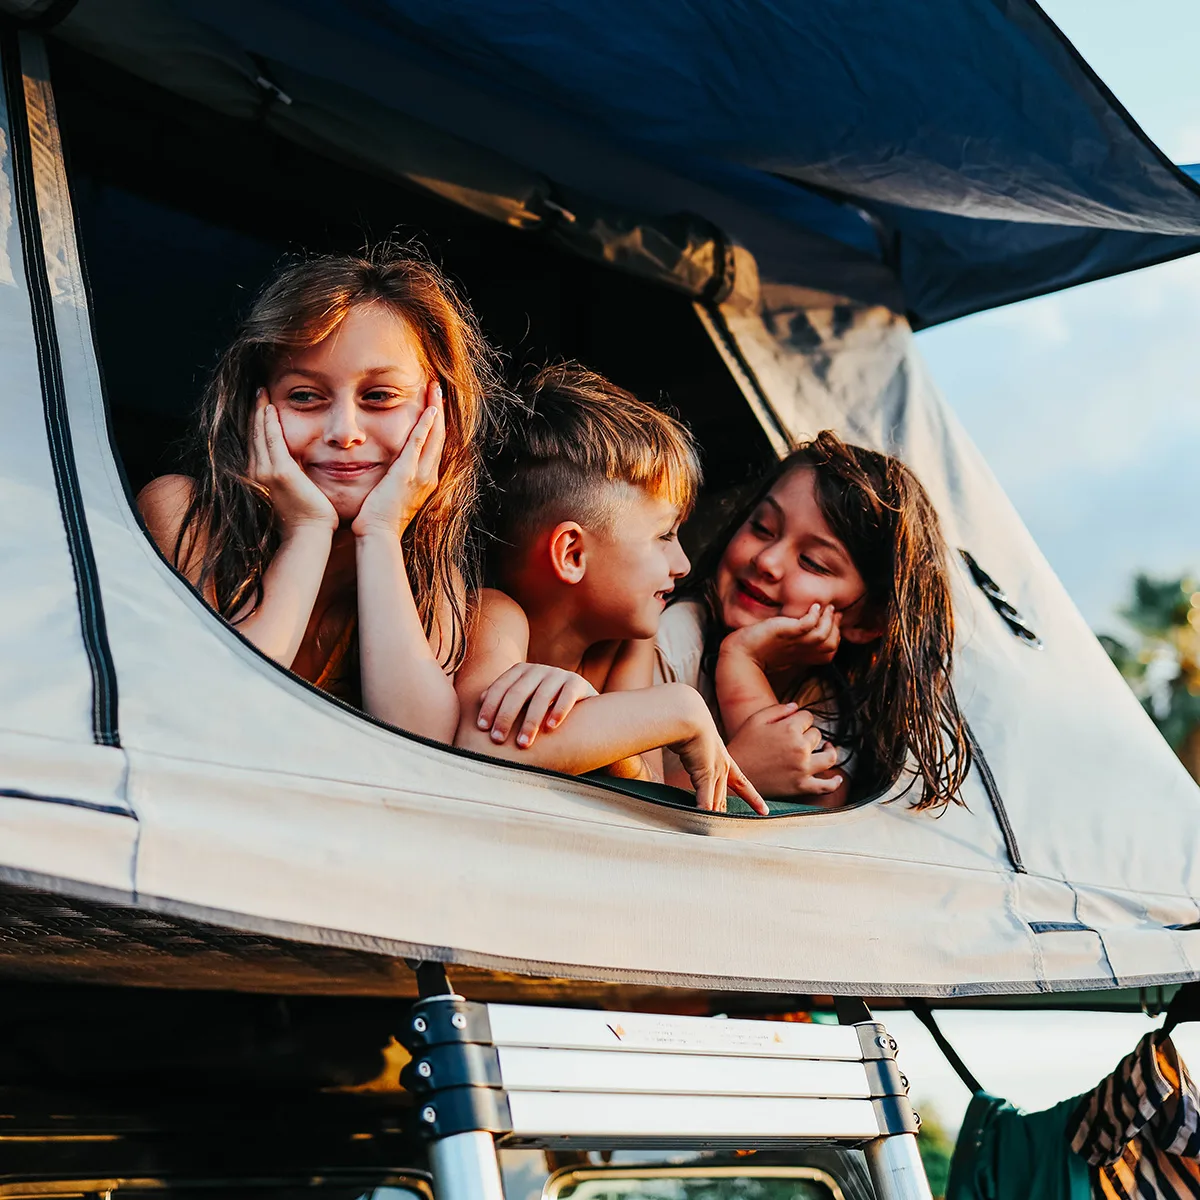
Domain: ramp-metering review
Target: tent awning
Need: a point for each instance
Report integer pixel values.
(961, 149)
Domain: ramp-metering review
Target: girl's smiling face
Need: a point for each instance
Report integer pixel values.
(785, 559)
(348, 404)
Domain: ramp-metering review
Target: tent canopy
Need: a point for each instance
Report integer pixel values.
(153, 760)
(946, 155)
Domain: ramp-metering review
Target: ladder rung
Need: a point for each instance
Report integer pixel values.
(525, 1068)
(577, 1029)
(648, 1119)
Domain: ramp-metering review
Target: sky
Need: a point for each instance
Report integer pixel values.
(1087, 406)
(1087, 403)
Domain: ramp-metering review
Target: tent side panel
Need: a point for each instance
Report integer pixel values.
(45, 683)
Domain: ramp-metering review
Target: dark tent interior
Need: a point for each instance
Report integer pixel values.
(184, 212)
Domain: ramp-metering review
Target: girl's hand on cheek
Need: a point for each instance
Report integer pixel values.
(781, 642)
(412, 478)
(295, 499)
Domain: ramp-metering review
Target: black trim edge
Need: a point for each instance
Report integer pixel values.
(105, 731)
(91, 805)
(996, 800)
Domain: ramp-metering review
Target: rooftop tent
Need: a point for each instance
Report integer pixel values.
(179, 810)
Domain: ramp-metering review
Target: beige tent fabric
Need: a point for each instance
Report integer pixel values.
(240, 796)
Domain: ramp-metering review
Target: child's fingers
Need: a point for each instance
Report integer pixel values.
(433, 395)
(568, 697)
(781, 712)
(824, 759)
(824, 626)
(259, 458)
(810, 619)
(705, 789)
(741, 786)
(821, 786)
(537, 708)
(514, 702)
(489, 702)
(431, 452)
(278, 454)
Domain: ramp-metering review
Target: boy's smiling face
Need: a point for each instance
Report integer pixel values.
(633, 562)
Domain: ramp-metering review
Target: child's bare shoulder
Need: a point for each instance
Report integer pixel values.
(163, 504)
(503, 613)
(166, 498)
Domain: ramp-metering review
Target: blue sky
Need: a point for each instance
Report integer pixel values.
(1087, 403)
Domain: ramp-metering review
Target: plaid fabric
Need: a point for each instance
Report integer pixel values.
(1140, 1129)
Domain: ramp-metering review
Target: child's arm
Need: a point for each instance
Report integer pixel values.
(402, 680)
(632, 670)
(306, 522)
(742, 686)
(603, 729)
(779, 745)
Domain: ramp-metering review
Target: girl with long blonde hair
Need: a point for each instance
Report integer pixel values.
(337, 459)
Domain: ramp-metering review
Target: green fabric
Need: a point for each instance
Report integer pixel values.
(1006, 1154)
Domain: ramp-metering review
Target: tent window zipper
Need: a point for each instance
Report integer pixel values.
(54, 406)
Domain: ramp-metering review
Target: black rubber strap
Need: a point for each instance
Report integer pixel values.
(54, 405)
(921, 1010)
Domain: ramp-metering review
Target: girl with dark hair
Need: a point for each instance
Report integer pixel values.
(819, 628)
(329, 513)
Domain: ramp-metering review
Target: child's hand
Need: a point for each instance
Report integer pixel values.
(786, 753)
(781, 642)
(411, 479)
(295, 499)
(546, 694)
(709, 765)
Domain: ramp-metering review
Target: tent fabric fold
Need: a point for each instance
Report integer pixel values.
(241, 797)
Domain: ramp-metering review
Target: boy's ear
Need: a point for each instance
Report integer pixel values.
(568, 554)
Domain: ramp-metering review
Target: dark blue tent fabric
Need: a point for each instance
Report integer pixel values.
(962, 142)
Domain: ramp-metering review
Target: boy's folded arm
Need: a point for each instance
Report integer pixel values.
(601, 730)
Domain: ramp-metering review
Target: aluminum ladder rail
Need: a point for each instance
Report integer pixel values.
(487, 1076)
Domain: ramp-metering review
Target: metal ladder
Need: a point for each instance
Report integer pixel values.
(501, 1075)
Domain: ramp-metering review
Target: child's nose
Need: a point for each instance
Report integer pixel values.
(681, 566)
(342, 427)
(769, 561)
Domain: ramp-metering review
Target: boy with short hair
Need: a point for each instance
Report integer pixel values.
(591, 488)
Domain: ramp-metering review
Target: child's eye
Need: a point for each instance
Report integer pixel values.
(302, 398)
(382, 397)
(812, 565)
(671, 536)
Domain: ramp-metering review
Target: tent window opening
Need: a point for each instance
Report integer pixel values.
(183, 213)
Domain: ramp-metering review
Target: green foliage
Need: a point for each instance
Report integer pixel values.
(1163, 667)
(936, 1146)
